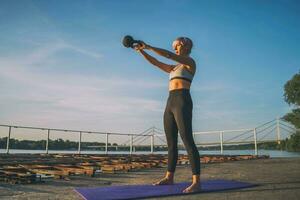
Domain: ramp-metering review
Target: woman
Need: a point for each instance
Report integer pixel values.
(178, 112)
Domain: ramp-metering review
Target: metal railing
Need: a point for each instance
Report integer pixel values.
(251, 136)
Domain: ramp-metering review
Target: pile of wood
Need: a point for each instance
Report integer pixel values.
(25, 168)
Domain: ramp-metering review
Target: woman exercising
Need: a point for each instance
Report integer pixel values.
(178, 111)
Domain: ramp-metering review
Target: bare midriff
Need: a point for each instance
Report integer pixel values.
(176, 84)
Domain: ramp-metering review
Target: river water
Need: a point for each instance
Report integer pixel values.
(271, 153)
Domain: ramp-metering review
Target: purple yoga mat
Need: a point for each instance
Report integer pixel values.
(145, 191)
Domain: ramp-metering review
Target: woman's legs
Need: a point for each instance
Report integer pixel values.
(183, 116)
(178, 115)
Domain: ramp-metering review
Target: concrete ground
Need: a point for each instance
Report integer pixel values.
(278, 178)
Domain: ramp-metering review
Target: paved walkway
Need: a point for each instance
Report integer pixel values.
(278, 178)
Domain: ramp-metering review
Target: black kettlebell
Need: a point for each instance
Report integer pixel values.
(128, 41)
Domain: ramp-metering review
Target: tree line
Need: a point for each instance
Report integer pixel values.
(60, 144)
(292, 97)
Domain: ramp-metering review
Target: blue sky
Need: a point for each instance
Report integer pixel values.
(62, 64)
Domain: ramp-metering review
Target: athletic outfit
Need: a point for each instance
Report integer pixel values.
(178, 117)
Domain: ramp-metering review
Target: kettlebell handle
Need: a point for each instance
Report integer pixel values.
(128, 41)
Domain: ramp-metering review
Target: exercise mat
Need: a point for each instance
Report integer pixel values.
(146, 191)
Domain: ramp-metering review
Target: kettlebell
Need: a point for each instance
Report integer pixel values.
(128, 41)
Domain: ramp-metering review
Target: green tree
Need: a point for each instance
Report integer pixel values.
(292, 97)
(293, 117)
(292, 90)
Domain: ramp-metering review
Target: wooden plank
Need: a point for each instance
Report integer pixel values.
(71, 169)
(16, 175)
(47, 170)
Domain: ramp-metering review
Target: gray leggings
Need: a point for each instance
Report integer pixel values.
(178, 116)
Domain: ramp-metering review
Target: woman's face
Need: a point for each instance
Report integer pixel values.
(179, 48)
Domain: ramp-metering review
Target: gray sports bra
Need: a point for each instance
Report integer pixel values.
(181, 72)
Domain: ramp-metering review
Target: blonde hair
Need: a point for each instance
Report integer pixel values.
(184, 41)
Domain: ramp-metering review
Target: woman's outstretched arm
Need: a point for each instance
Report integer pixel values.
(168, 54)
(165, 67)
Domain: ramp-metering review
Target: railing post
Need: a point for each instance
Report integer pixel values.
(47, 142)
(131, 143)
(106, 144)
(221, 141)
(278, 130)
(8, 140)
(255, 141)
(79, 144)
(152, 143)
(152, 139)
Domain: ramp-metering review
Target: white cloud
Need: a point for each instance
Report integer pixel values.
(73, 100)
(85, 52)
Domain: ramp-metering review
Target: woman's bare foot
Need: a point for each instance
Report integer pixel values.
(194, 187)
(164, 181)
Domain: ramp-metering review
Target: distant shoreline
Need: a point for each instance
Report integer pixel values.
(271, 153)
